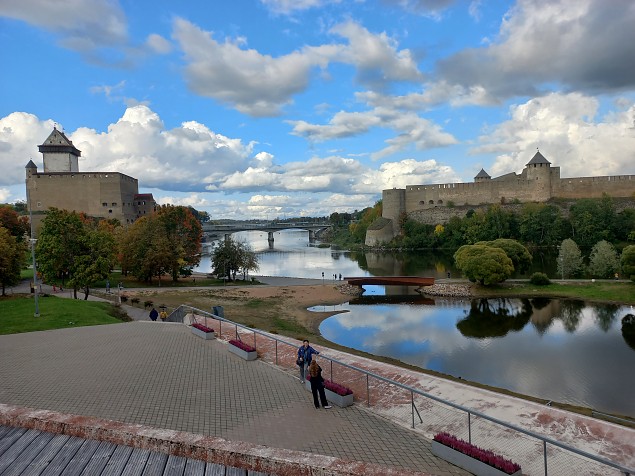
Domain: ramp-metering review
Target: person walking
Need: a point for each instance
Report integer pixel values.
(154, 314)
(317, 385)
(163, 315)
(305, 353)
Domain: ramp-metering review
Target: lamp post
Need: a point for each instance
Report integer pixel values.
(33, 240)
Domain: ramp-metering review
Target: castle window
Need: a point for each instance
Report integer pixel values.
(422, 202)
(39, 204)
(431, 202)
(104, 204)
(109, 211)
(440, 201)
(114, 204)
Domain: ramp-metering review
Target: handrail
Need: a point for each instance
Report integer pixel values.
(469, 411)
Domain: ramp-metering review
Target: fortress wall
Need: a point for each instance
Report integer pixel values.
(420, 197)
(595, 187)
(88, 193)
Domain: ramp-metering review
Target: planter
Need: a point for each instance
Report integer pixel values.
(243, 354)
(466, 462)
(203, 334)
(339, 400)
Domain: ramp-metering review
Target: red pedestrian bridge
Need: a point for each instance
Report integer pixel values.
(418, 281)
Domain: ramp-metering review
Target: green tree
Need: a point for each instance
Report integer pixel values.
(231, 257)
(569, 259)
(73, 248)
(369, 215)
(12, 258)
(540, 224)
(592, 220)
(483, 264)
(603, 262)
(520, 256)
(627, 261)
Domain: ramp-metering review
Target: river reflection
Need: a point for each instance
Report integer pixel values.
(558, 350)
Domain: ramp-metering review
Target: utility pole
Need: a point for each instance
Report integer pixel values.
(33, 240)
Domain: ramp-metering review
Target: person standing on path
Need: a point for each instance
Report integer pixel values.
(154, 314)
(305, 353)
(317, 385)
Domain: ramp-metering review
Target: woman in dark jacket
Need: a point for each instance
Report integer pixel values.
(317, 385)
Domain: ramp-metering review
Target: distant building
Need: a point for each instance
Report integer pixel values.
(538, 182)
(97, 194)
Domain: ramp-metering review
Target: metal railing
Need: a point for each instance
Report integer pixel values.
(418, 409)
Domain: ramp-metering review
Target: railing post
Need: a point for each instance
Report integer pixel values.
(469, 427)
(412, 408)
(236, 331)
(255, 346)
(276, 351)
(332, 379)
(544, 452)
(367, 390)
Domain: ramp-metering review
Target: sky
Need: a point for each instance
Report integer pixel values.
(264, 109)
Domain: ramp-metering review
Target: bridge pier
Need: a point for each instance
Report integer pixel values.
(311, 236)
(227, 235)
(270, 238)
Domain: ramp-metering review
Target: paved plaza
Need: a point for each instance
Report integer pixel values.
(160, 375)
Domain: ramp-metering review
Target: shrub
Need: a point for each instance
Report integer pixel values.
(539, 279)
(201, 327)
(241, 345)
(341, 390)
(147, 304)
(486, 456)
(134, 300)
(124, 298)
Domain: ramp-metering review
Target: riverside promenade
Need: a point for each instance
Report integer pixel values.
(153, 383)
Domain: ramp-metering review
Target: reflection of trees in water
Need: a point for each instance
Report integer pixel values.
(628, 330)
(541, 325)
(494, 318)
(571, 314)
(605, 314)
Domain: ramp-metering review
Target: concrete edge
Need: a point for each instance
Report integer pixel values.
(211, 449)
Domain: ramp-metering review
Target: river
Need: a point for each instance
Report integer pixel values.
(561, 350)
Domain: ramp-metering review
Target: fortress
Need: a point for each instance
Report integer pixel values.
(97, 194)
(538, 182)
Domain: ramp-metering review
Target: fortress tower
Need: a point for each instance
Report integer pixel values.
(97, 194)
(59, 153)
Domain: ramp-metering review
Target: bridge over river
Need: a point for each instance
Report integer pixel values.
(216, 231)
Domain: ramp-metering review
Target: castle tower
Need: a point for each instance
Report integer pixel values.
(60, 155)
(538, 173)
(482, 176)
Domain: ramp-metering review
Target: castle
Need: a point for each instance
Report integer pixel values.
(538, 182)
(97, 194)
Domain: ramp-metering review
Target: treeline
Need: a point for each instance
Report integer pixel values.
(78, 250)
(537, 225)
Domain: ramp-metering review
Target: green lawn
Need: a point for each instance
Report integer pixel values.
(605, 291)
(16, 314)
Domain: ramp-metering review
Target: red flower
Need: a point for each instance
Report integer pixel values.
(486, 456)
(241, 345)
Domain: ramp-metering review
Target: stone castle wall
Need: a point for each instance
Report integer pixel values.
(107, 195)
(437, 203)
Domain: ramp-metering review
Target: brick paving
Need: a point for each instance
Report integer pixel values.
(160, 375)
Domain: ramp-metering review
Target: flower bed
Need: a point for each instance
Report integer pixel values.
(202, 331)
(472, 458)
(335, 393)
(242, 350)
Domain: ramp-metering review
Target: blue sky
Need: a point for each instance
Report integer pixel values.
(280, 108)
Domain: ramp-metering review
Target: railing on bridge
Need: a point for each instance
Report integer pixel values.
(428, 414)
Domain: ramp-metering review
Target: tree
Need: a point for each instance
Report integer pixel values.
(483, 264)
(145, 250)
(627, 261)
(603, 262)
(12, 258)
(569, 259)
(520, 256)
(10, 220)
(231, 257)
(183, 233)
(73, 248)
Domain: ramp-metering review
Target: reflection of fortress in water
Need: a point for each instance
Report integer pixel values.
(538, 182)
